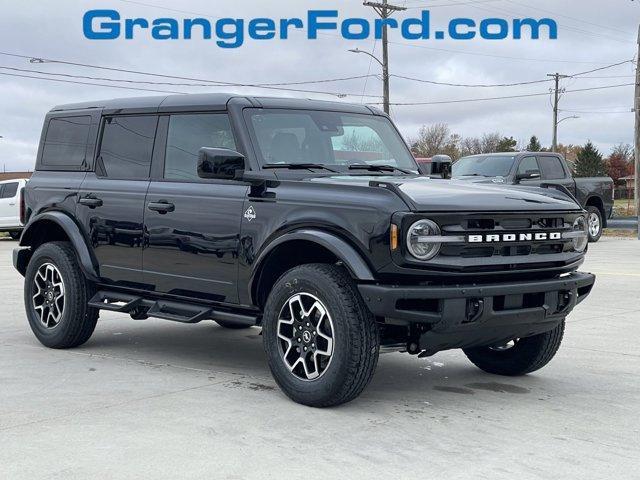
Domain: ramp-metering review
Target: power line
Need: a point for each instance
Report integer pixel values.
(513, 15)
(602, 68)
(565, 16)
(477, 85)
(451, 4)
(597, 112)
(147, 82)
(495, 85)
(159, 75)
(87, 83)
(469, 100)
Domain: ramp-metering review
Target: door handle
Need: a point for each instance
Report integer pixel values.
(161, 207)
(91, 202)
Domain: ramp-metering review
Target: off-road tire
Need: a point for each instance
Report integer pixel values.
(356, 339)
(232, 325)
(78, 321)
(595, 211)
(526, 356)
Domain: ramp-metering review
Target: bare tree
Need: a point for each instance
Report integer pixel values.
(431, 140)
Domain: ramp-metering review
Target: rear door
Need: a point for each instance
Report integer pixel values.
(111, 199)
(9, 209)
(192, 225)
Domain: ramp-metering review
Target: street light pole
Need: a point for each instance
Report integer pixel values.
(637, 137)
(385, 11)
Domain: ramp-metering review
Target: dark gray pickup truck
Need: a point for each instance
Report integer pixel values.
(533, 169)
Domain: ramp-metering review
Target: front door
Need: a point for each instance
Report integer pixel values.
(111, 199)
(192, 225)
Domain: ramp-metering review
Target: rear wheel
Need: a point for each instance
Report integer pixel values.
(321, 340)
(594, 223)
(520, 356)
(56, 294)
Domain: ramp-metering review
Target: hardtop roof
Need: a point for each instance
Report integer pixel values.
(210, 101)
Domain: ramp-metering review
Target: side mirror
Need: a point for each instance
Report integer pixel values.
(220, 163)
(528, 175)
(441, 166)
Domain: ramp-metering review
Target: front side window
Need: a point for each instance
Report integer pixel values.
(126, 147)
(552, 168)
(187, 135)
(483, 166)
(66, 141)
(10, 190)
(334, 139)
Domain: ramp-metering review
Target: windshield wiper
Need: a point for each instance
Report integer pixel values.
(475, 175)
(379, 168)
(298, 166)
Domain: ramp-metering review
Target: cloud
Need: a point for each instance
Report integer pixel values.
(589, 36)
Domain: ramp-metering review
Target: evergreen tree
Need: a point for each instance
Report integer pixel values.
(507, 144)
(589, 162)
(534, 145)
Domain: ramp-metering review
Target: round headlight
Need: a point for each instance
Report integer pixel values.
(419, 239)
(580, 242)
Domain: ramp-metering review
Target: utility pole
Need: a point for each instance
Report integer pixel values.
(636, 104)
(556, 99)
(385, 10)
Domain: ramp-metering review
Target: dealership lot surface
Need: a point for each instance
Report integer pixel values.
(154, 399)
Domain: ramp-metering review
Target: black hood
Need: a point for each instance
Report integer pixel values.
(436, 195)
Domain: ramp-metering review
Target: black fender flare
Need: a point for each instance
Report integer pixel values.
(71, 229)
(344, 251)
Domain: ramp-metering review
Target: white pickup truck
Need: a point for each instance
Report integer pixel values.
(12, 206)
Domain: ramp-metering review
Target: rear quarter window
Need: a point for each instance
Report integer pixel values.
(65, 143)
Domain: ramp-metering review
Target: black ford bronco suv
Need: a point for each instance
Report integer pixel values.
(309, 219)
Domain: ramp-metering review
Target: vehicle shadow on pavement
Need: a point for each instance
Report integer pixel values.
(212, 349)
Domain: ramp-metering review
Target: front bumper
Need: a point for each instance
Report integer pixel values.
(469, 315)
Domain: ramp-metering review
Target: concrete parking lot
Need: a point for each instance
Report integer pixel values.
(155, 399)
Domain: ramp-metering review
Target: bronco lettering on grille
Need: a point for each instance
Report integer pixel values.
(514, 237)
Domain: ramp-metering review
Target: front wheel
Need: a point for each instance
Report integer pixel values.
(519, 356)
(594, 223)
(321, 341)
(56, 294)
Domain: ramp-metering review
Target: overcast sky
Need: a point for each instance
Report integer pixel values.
(592, 33)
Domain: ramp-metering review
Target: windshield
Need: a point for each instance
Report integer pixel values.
(483, 166)
(327, 138)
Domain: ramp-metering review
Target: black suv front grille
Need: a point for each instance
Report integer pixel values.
(504, 224)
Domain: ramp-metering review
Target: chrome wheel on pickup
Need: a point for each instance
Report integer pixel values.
(594, 224)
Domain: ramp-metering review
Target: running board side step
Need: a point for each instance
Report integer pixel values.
(167, 310)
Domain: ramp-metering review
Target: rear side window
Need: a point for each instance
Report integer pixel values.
(126, 147)
(9, 190)
(66, 141)
(551, 168)
(187, 135)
